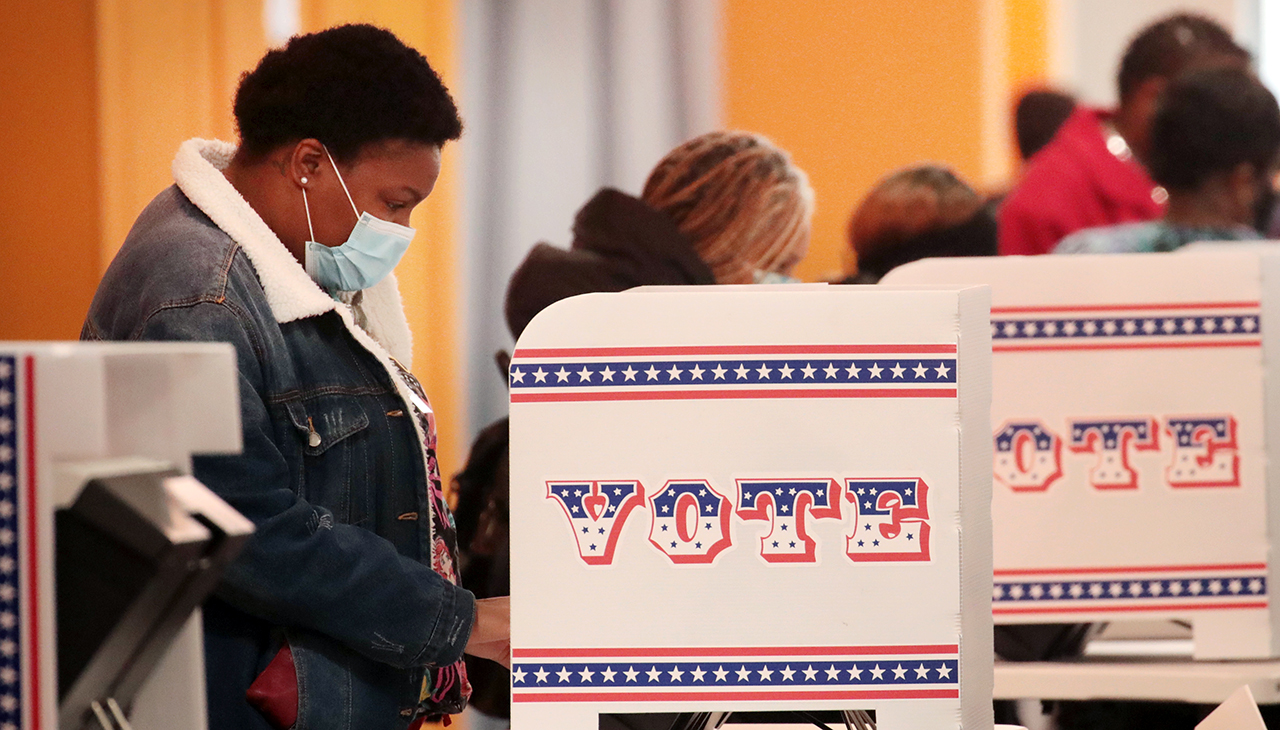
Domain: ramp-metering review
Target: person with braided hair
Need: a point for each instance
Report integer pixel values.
(726, 207)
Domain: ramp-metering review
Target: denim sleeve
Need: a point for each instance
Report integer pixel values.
(302, 568)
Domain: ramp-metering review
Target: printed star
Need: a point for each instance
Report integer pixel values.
(741, 370)
(788, 673)
(676, 673)
(855, 673)
(519, 675)
(808, 370)
(562, 375)
(630, 674)
(897, 370)
(764, 371)
(743, 674)
(922, 672)
(584, 374)
(607, 373)
(899, 673)
(541, 674)
(766, 674)
(608, 674)
(875, 370)
(517, 376)
(830, 370)
(853, 369)
(586, 674)
(833, 673)
(944, 671)
(697, 372)
(920, 370)
(811, 674)
(877, 672)
(719, 372)
(540, 376)
(698, 674)
(654, 674)
(942, 371)
(674, 373)
(721, 673)
(786, 370)
(652, 372)
(629, 373)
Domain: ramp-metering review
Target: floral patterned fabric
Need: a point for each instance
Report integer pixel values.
(444, 689)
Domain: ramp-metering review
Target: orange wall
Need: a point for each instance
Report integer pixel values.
(855, 89)
(49, 217)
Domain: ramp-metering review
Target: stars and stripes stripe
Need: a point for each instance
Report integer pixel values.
(1138, 326)
(737, 673)
(711, 372)
(11, 568)
(1121, 590)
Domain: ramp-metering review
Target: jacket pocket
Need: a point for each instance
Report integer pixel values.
(338, 464)
(325, 422)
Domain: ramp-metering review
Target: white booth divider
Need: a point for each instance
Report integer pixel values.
(71, 413)
(1136, 401)
(752, 498)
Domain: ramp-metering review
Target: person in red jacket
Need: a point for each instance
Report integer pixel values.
(1091, 174)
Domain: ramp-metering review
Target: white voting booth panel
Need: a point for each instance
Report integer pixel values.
(752, 498)
(1135, 401)
(71, 411)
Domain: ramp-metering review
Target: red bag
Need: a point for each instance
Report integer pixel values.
(275, 692)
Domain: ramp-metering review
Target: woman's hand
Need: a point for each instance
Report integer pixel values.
(491, 634)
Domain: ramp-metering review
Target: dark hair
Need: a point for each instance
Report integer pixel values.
(1170, 46)
(1039, 115)
(346, 86)
(1209, 121)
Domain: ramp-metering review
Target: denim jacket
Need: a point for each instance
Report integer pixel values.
(333, 472)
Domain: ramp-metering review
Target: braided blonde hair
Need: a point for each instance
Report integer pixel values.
(739, 200)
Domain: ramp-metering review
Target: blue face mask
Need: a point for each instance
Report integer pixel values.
(372, 250)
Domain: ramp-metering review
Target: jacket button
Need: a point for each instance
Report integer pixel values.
(313, 440)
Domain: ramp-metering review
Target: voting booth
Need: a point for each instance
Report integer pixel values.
(735, 499)
(107, 544)
(1136, 401)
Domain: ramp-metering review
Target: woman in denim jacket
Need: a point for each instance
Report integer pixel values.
(283, 247)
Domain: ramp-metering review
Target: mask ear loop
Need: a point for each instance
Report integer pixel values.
(344, 184)
(307, 206)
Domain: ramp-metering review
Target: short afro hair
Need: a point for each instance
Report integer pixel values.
(1210, 121)
(1175, 44)
(347, 86)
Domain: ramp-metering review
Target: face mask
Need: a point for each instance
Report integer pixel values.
(372, 250)
(772, 277)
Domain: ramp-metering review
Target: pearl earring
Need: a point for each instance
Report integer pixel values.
(303, 181)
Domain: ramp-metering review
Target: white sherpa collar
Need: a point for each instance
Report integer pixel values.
(291, 294)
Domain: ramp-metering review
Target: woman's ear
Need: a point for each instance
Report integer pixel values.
(305, 162)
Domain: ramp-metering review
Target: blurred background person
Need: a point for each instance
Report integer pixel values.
(1214, 143)
(915, 213)
(722, 208)
(1092, 172)
(1038, 116)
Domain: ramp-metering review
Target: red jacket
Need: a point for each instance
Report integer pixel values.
(1075, 182)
